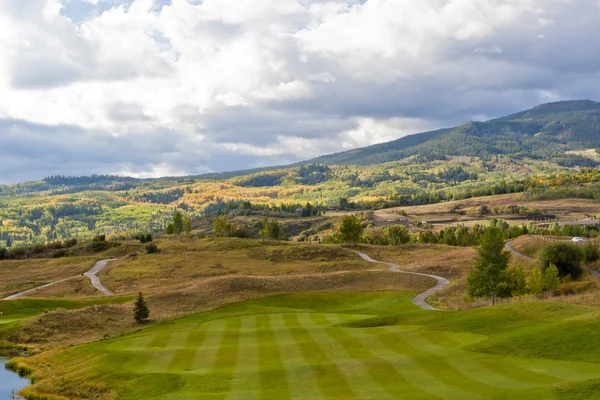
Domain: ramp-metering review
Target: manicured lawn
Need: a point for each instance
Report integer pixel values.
(347, 346)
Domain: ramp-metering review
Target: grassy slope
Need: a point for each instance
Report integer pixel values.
(15, 311)
(20, 275)
(185, 261)
(341, 346)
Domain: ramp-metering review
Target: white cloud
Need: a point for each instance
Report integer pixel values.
(261, 81)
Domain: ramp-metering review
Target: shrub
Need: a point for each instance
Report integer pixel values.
(590, 252)
(99, 243)
(151, 248)
(565, 256)
(70, 242)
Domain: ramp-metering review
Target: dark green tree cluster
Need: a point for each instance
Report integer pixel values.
(53, 249)
(99, 243)
(181, 224)
(143, 237)
(566, 257)
(271, 230)
(391, 235)
(160, 197)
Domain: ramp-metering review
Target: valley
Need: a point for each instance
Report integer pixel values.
(383, 277)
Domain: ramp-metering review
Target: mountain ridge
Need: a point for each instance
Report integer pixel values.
(544, 131)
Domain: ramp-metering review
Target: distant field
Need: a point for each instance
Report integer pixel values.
(440, 214)
(341, 346)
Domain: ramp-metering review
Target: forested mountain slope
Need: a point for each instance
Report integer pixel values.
(546, 131)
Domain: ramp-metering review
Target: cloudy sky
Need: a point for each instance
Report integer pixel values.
(170, 87)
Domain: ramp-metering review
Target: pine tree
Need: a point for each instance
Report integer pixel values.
(177, 223)
(140, 309)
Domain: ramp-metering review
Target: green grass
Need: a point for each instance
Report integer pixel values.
(347, 346)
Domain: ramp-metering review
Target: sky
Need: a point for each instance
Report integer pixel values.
(152, 88)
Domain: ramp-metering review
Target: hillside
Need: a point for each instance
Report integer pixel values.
(516, 153)
(545, 131)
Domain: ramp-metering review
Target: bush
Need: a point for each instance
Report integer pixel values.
(99, 243)
(151, 248)
(70, 242)
(566, 257)
(590, 252)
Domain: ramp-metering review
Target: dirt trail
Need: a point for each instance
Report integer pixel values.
(90, 274)
(418, 300)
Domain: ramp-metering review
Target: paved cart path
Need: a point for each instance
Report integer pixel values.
(90, 274)
(418, 300)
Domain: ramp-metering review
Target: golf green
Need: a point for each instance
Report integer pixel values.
(345, 346)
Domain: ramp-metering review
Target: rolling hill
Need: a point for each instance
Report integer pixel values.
(474, 159)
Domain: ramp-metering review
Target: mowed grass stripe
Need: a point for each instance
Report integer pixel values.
(143, 361)
(353, 363)
(159, 341)
(435, 365)
(184, 358)
(302, 381)
(408, 367)
(330, 380)
(244, 381)
(494, 370)
(163, 358)
(226, 358)
(381, 371)
(273, 378)
(207, 351)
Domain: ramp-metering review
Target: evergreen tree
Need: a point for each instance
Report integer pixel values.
(140, 309)
(170, 228)
(488, 277)
(177, 223)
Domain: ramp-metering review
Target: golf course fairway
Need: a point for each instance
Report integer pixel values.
(342, 346)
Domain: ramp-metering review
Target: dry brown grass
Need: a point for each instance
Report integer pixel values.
(70, 327)
(528, 245)
(181, 262)
(19, 275)
(448, 261)
(74, 288)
